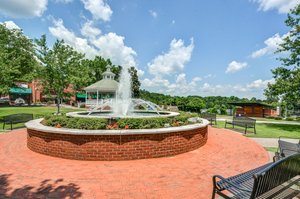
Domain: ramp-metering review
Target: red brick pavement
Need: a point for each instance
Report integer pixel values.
(26, 174)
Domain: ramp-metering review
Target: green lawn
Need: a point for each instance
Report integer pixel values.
(36, 111)
(268, 130)
(271, 149)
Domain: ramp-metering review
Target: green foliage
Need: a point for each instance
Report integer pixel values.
(143, 123)
(287, 76)
(17, 62)
(214, 104)
(289, 119)
(61, 68)
(135, 83)
(100, 123)
(76, 123)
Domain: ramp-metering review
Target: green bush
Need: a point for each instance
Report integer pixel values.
(278, 118)
(101, 123)
(289, 119)
(297, 118)
(143, 123)
(76, 123)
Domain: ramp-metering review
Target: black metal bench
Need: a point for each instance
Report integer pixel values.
(242, 122)
(286, 149)
(262, 182)
(16, 118)
(211, 117)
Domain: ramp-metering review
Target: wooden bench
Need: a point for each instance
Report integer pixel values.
(262, 182)
(242, 122)
(211, 117)
(16, 118)
(286, 149)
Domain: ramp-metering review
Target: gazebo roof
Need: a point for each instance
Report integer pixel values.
(107, 84)
(104, 85)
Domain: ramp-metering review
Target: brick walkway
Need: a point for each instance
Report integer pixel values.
(25, 174)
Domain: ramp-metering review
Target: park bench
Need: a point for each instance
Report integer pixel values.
(267, 181)
(211, 117)
(286, 149)
(16, 118)
(242, 122)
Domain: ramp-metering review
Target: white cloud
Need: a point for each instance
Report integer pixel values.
(99, 9)
(153, 14)
(23, 8)
(235, 66)
(80, 44)
(63, 1)
(140, 72)
(173, 61)
(181, 86)
(272, 44)
(89, 30)
(11, 25)
(112, 46)
(173, 22)
(259, 84)
(283, 6)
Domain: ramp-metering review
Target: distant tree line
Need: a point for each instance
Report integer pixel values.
(213, 104)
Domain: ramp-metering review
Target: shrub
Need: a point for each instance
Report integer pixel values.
(76, 123)
(278, 118)
(297, 118)
(101, 123)
(289, 119)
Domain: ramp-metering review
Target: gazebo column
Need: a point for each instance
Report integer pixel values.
(97, 97)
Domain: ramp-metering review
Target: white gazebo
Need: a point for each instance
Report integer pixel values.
(103, 90)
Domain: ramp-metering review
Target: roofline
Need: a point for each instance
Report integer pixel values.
(249, 103)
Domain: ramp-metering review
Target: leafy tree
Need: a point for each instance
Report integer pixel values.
(61, 68)
(17, 62)
(135, 83)
(287, 76)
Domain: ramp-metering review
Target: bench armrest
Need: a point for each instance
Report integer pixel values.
(230, 183)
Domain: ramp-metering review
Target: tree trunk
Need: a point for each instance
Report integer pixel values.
(58, 105)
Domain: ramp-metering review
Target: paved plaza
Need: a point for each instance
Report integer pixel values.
(31, 175)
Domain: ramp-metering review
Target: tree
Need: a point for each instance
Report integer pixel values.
(135, 83)
(287, 76)
(17, 62)
(61, 68)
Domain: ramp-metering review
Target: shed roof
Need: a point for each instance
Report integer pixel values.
(250, 104)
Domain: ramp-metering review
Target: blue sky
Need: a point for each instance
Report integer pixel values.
(190, 47)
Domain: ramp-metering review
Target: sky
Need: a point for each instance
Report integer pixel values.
(191, 47)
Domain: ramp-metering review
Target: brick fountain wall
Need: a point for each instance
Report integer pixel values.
(115, 147)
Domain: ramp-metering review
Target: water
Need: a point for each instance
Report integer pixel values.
(123, 95)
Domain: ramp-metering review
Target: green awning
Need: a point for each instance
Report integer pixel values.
(20, 90)
(80, 95)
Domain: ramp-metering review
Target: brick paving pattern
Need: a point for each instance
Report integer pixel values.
(26, 174)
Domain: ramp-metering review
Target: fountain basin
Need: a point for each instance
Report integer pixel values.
(111, 145)
(135, 114)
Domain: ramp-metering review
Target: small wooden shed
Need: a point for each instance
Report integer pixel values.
(254, 109)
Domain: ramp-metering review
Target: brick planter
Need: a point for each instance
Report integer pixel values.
(110, 145)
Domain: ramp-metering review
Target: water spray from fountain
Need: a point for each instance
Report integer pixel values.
(123, 95)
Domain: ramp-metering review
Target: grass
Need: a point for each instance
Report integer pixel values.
(36, 111)
(271, 149)
(227, 117)
(268, 130)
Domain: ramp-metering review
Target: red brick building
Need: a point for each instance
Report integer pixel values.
(254, 109)
(32, 93)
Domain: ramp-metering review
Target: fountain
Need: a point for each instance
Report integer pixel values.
(117, 144)
(123, 105)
